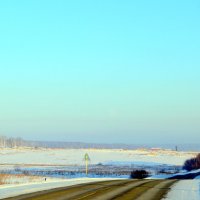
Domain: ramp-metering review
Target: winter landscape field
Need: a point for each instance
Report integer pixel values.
(26, 169)
(99, 100)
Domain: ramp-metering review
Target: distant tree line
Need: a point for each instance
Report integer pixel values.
(11, 142)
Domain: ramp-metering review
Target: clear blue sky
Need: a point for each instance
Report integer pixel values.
(100, 71)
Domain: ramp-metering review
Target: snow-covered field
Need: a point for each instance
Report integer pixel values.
(55, 163)
(20, 179)
(75, 156)
(69, 163)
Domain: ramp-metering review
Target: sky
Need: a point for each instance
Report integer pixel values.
(106, 71)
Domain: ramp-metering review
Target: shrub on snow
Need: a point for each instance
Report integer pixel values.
(139, 174)
(192, 164)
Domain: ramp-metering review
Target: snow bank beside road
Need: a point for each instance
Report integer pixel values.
(184, 190)
(15, 190)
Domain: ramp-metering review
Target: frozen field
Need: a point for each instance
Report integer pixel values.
(69, 163)
(46, 157)
(59, 163)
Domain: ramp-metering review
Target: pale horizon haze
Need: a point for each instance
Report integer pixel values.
(100, 71)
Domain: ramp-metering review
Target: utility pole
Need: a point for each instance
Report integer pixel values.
(176, 148)
(87, 159)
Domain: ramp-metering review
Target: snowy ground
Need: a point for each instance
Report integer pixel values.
(69, 163)
(185, 190)
(21, 178)
(75, 156)
(15, 190)
(65, 163)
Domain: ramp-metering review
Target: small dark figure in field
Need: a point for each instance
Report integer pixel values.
(45, 179)
(139, 174)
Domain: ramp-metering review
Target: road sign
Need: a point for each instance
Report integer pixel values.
(87, 159)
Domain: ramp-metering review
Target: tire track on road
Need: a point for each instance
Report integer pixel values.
(117, 193)
(154, 190)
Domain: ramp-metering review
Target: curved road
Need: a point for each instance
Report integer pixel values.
(105, 190)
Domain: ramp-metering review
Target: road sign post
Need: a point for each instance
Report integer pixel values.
(87, 159)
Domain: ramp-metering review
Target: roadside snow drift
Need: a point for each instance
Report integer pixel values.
(185, 190)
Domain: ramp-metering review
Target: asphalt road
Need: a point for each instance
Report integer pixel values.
(105, 190)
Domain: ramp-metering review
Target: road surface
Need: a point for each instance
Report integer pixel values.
(105, 190)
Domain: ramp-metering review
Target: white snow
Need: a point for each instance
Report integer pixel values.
(197, 177)
(50, 158)
(15, 190)
(185, 190)
(75, 156)
(160, 176)
(131, 163)
(21, 178)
